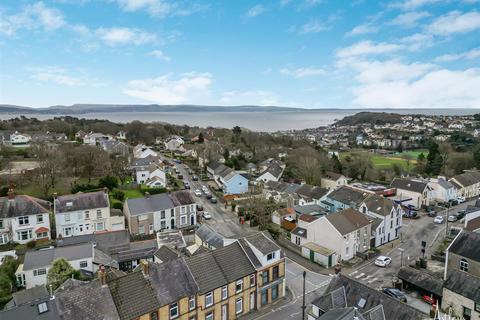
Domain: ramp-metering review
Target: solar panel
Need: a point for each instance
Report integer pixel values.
(376, 313)
(339, 298)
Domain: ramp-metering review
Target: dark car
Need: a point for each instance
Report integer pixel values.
(395, 293)
(453, 202)
(179, 176)
(432, 214)
(461, 214)
(186, 185)
(199, 207)
(195, 178)
(213, 200)
(209, 196)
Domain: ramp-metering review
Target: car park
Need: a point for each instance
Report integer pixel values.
(395, 293)
(206, 215)
(198, 193)
(383, 261)
(438, 219)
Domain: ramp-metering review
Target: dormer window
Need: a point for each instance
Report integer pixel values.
(270, 256)
(42, 307)
(464, 265)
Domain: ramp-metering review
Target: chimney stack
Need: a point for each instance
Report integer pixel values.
(145, 267)
(102, 275)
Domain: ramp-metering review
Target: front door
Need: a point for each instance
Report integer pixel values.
(252, 300)
(330, 261)
(312, 255)
(192, 220)
(172, 224)
(224, 311)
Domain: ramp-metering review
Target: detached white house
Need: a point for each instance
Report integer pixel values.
(272, 173)
(85, 213)
(386, 217)
(416, 193)
(142, 151)
(442, 189)
(174, 143)
(33, 272)
(151, 175)
(23, 219)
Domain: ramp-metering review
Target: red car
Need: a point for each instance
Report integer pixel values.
(430, 300)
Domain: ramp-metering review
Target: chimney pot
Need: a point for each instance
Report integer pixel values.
(145, 267)
(102, 275)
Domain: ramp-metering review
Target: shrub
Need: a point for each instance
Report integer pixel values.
(31, 244)
(83, 188)
(118, 194)
(117, 205)
(108, 182)
(154, 190)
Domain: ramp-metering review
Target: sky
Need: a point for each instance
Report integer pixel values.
(292, 53)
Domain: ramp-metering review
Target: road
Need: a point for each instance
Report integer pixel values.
(223, 221)
(413, 233)
(315, 286)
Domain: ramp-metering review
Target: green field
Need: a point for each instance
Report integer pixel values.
(387, 161)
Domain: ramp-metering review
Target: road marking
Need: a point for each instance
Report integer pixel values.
(373, 280)
(353, 273)
(368, 277)
(360, 275)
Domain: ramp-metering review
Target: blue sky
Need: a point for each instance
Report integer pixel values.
(304, 53)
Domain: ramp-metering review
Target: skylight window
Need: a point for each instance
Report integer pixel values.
(42, 307)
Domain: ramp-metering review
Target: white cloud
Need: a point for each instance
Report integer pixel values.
(409, 19)
(367, 48)
(122, 36)
(161, 8)
(313, 27)
(159, 55)
(189, 87)
(418, 41)
(256, 10)
(31, 17)
(55, 75)
(468, 55)
(253, 97)
(362, 29)
(302, 72)
(455, 22)
(414, 4)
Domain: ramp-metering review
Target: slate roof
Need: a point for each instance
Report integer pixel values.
(103, 241)
(26, 296)
(172, 281)
(355, 290)
(341, 314)
(347, 196)
(149, 204)
(307, 217)
(251, 256)
(165, 253)
(210, 236)
(81, 201)
(22, 205)
(181, 198)
(445, 184)
(313, 192)
(29, 311)
(409, 184)
(332, 175)
(133, 296)
(79, 300)
(134, 250)
(473, 225)
(274, 169)
(464, 284)
(214, 269)
(347, 220)
(301, 232)
(422, 279)
(262, 243)
(310, 209)
(44, 257)
(467, 178)
(379, 204)
(466, 245)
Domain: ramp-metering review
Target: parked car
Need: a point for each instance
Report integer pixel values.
(209, 196)
(186, 185)
(198, 193)
(461, 199)
(461, 214)
(383, 261)
(429, 299)
(438, 219)
(206, 215)
(432, 214)
(453, 202)
(195, 178)
(395, 293)
(213, 200)
(199, 207)
(412, 214)
(452, 218)
(180, 176)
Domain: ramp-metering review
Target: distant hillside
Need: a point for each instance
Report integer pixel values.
(105, 108)
(370, 117)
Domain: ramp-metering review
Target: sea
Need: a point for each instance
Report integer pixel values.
(256, 121)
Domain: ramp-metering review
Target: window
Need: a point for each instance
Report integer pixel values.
(163, 225)
(3, 238)
(275, 273)
(67, 217)
(467, 313)
(191, 303)
(99, 214)
(1, 224)
(252, 280)
(208, 299)
(154, 315)
(100, 226)
(150, 228)
(87, 215)
(83, 264)
(264, 277)
(173, 310)
(464, 265)
(297, 241)
(41, 235)
(23, 220)
(346, 251)
(183, 220)
(141, 229)
(80, 216)
(209, 316)
(162, 214)
(264, 297)
(239, 306)
(39, 218)
(39, 272)
(391, 224)
(477, 307)
(239, 286)
(270, 256)
(24, 234)
(184, 209)
(42, 307)
(224, 293)
(275, 292)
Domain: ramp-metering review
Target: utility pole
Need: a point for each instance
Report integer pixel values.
(446, 220)
(303, 303)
